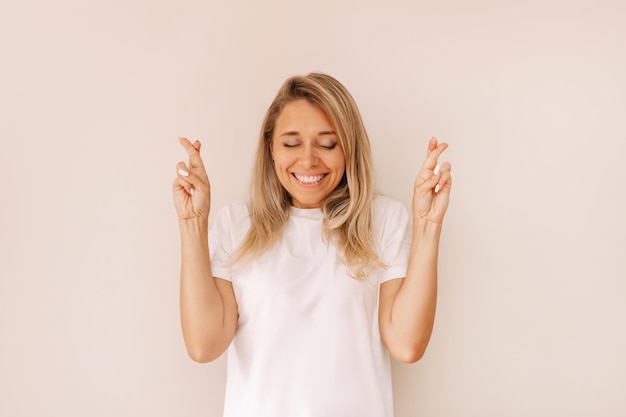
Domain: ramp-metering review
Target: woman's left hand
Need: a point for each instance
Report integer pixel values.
(431, 193)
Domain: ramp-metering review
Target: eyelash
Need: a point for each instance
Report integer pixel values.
(329, 147)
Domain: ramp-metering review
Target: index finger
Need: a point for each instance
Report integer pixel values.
(434, 152)
(193, 150)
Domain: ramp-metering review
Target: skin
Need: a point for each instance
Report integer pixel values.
(302, 145)
(208, 308)
(306, 146)
(407, 306)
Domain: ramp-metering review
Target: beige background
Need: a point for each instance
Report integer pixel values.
(531, 96)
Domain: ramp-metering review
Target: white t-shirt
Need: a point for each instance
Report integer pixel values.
(307, 342)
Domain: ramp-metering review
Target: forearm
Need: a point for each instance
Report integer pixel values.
(201, 306)
(413, 310)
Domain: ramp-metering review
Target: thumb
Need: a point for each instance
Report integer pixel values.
(192, 180)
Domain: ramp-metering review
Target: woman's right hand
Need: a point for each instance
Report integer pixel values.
(192, 191)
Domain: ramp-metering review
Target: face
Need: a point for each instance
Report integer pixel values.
(307, 155)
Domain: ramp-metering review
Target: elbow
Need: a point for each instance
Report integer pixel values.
(200, 357)
(410, 356)
(203, 354)
(410, 353)
(203, 347)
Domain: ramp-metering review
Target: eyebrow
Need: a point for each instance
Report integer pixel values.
(322, 133)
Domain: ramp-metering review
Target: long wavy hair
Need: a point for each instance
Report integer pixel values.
(348, 208)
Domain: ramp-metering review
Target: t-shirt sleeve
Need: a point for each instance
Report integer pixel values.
(221, 245)
(394, 230)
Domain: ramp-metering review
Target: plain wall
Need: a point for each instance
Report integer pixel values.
(531, 97)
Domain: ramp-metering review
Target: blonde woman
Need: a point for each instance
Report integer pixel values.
(313, 283)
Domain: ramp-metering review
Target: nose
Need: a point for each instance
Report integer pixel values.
(309, 158)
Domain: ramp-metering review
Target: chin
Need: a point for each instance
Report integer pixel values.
(306, 203)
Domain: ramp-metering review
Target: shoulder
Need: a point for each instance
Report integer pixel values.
(234, 215)
(392, 235)
(391, 220)
(235, 209)
(385, 209)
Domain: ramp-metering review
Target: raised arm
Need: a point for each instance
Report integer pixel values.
(208, 309)
(407, 306)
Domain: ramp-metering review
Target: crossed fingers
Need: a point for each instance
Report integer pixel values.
(433, 175)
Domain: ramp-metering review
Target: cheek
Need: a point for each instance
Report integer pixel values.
(339, 162)
(281, 163)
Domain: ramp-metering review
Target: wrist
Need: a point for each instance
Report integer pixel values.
(195, 225)
(426, 228)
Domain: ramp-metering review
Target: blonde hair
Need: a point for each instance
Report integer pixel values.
(347, 209)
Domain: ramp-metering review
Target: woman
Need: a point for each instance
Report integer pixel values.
(314, 281)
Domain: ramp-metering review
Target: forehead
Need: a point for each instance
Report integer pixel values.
(303, 114)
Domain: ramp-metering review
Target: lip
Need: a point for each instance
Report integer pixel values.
(309, 185)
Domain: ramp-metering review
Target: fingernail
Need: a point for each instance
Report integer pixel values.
(436, 169)
(191, 191)
(437, 188)
(183, 172)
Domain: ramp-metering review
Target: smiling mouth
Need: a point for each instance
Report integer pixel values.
(309, 179)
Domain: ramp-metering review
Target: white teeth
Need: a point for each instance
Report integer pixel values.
(308, 179)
